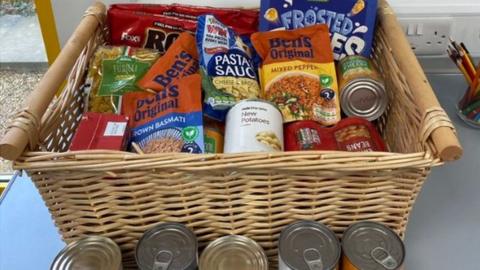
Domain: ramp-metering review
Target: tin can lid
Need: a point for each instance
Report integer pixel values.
(167, 246)
(365, 98)
(373, 246)
(92, 252)
(275, 106)
(233, 252)
(309, 245)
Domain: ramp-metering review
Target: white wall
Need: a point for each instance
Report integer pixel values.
(69, 12)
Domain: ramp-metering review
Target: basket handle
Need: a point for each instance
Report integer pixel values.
(435, 123)
(25, 127)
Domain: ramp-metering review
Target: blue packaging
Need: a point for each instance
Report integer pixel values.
(227, 67)
(351, 22)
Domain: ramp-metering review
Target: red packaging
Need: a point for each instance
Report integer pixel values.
(351, 134)
(243, 21)
(101, 131)
(307, 135)
(355, 134)
(140, 29)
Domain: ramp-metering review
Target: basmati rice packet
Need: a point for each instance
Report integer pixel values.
(298, 73)
(169, 120)
(228, 73)
(114, 71)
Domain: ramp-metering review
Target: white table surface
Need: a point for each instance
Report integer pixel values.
(443, 232)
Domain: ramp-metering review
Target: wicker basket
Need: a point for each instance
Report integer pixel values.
(120, 194)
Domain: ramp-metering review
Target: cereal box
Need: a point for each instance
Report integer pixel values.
(351, 22)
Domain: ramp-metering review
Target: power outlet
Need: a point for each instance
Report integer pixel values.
(428, 36)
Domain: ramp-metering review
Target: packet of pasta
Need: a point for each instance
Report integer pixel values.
(298, 73)
(114, 71)
(228, 73)
(167, 121)
(179, 61)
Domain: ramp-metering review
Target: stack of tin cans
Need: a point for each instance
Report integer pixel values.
(303, 245)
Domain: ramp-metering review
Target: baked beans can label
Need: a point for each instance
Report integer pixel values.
(253, 126)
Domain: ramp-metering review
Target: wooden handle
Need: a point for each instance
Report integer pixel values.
(16, 139)
(444, 139)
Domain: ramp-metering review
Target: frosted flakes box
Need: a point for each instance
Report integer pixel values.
(351, 22)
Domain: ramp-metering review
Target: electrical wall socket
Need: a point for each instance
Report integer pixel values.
(428, 36)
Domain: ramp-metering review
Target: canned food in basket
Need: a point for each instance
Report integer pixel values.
(253, 126)
(167, 246)
(369, 245)
(92, 252)
(213, 132)
(307, 135)
(308, 245)
(233, 252)
(362, 91)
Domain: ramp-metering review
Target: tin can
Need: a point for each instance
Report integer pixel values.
(308, 135)
(167, 246)
(92, 252)
(308, 245)
(369, 245)
(362, 91)
(213, 133)
(233, 252)
(253, 126)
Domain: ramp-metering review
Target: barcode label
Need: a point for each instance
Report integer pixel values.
(115, 129)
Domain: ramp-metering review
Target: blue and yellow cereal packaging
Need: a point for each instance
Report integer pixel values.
(226, 66)
(351, 22)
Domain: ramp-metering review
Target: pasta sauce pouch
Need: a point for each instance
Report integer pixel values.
(179, 61)
(298, 73)
(169, 120)
(228, 73)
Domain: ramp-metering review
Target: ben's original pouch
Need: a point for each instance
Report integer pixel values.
(179, 61)
(351, 22)
(298, 73)
(228, 73)
(169, 120)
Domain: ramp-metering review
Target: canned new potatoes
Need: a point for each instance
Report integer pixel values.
(369, 245)
(92, 252)
(253, 126)
(233, 252)
(308, 245)
(167, 246)
(362, 91)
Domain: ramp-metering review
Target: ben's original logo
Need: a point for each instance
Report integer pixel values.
(291, 49)
(132, 38)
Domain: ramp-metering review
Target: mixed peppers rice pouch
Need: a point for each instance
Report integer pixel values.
(298, 73)
(167, 121)
(179, 61)
(226, 66)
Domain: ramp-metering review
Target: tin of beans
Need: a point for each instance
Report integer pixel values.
(373, 246)
(233, 252)
(167, 246)
(362, 91)
(308, 245)
(92, 252)
(354, 134)
(253, 126)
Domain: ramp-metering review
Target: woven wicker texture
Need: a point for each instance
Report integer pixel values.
(120, 195)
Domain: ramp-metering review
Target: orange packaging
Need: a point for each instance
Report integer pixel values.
(298, 73)
(169, 120)
(179, 61)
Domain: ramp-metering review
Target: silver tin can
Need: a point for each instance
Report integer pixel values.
(92, 252)
(369, 245)
(233, 252)
(253, 126)
(362, 91)
(168, 246)
(308, 245)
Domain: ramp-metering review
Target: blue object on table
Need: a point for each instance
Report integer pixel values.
(28, 237)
